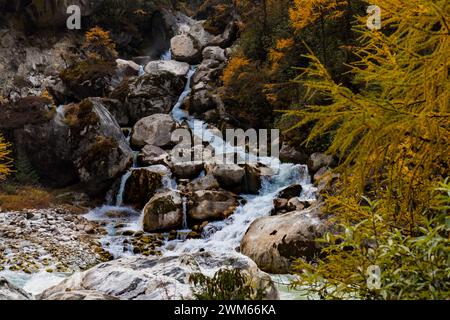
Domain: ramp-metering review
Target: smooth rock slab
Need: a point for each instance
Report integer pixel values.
(158, 278)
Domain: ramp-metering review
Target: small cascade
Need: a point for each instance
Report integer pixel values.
(185, 224)
(141, 71)
(166, 56)
(177, 113)
(123, 182)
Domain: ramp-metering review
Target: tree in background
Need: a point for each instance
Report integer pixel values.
(392, 136)
(5, 161)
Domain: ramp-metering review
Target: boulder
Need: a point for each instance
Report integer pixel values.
(207, 182)
(78, 295)
(159, 278)
(319, 160)
(187, 170)
(26, 111)
(274, 242)
(127, 68)
(149, 94)
(155, 130)
(230, 176)
(176, 68)
(8, 291)
(185, 48)
(214, 53)
(207, 205)
(77, 143)
(140, 187)
(290, 192)
(100, 151)
(163, 212)
(118, 110)
(89, 78)
(152, 155)
(291, 155)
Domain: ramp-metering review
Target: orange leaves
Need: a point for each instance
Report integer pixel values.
(99, 45)
(277, 53)
(5, 161)
(234, 69)
(306, 12)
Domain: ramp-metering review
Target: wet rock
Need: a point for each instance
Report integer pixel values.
(155, 130)
(187, 170)
(207, 182)
(78, 295)
(152, 155)
(230, 176)
(163, 212)
(8, 291)
(290, 192)
(274, 242)
(140, 187)
(159, 278)
(207, 205)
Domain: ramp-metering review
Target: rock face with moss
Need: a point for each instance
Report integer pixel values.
(90, 78)
(141, 187)
(100, 150)
(163, 212)
(78, 143)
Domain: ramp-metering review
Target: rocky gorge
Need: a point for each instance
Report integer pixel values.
(112, 130)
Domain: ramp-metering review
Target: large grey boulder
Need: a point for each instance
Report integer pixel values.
(155, 130)
(186, 48)
(273, 242)
(176, 68)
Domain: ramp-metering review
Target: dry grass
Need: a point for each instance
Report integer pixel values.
(16, 198)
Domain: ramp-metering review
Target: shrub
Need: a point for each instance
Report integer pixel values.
(99, 45)
(226, 284)
(5, 161)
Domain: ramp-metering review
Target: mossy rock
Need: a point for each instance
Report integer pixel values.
(141, 187)
(89, 78)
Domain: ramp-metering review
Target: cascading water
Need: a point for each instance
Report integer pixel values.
(220, 236)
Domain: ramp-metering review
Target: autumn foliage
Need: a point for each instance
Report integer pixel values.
(5, 161)
(99, 45)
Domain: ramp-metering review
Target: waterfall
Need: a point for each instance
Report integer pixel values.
(141, 71)
(177, 113)
(185, 224)
(123, 183)
(166, 56)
